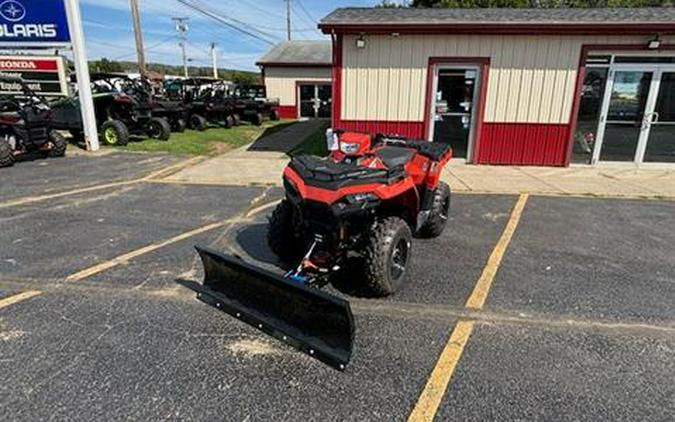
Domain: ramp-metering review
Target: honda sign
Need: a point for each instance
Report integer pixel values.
(45, 75)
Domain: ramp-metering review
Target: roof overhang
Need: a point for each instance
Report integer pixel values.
(511, 28)
(292, 64)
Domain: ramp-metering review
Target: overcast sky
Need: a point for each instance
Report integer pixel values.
(108, 29)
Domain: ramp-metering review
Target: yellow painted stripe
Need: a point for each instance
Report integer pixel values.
(150, 177)
(430, 399)
(433, 392)
(20, 297)
(482, 287)
(123, 259)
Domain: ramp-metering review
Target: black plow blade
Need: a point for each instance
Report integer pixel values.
(310, 320)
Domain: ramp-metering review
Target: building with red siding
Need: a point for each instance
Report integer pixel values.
(298, 74)
(511, 86)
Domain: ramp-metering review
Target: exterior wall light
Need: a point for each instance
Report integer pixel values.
(361, 42)
(654, 43)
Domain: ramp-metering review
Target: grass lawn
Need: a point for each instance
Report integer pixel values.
(315, 144)
(212, 141)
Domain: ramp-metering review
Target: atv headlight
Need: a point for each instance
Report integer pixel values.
(349, 148)
(358, 198)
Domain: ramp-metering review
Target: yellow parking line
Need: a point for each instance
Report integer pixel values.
(124, 258)
(482, 288)
(150, 177)
(433, 392)
(427, 405)
(20, 297)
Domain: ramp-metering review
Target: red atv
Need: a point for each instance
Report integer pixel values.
(356, 212)
(349, 217)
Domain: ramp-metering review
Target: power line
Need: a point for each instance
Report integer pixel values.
(228, 22)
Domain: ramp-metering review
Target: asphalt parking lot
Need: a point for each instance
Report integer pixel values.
(531, 308)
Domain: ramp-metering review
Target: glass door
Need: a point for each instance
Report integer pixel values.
(453, 107)
(307, 100)
(324, 95)
(623, 115)
(660, 145)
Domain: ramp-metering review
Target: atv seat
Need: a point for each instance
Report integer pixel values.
(393, 157)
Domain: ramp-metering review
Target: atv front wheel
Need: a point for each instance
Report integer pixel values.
(282, 238)
(115, 133)
(6, 153)
(438, 215)
(237, 119)
(59, 145)
(197, 122)
(274, 115)
(386, 256)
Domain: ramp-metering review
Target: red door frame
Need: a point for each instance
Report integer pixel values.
(484, 65)
(317, 82)
(581, 74)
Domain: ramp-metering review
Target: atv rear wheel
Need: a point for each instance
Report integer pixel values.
(237, 119)
(6, 153)
(59, 145)
(115, 133)
(257, 119)
(179, 125)
(386, 256)
(282, 238)
(159, 128)
(197, 122)
(438, 215)
(229, 122)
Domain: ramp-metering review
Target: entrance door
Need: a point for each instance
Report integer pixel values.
(661, 140)
(453, 107)
(625, 111)
(638, 116)
(315, 100)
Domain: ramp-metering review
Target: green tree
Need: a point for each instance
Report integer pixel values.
(104, 65)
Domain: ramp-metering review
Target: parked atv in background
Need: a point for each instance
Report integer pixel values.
(118, 114)
(253, 104)
(26, 126)
(153, 96)
(204, 106)
(348, 219)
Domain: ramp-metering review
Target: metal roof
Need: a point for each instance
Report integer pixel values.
(299, 52)
(354, 16)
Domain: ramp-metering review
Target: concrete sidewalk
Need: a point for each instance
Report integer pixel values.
(243, 168)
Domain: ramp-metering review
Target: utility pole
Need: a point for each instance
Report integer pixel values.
(214, 60)
(182, 28)
(138, 32)
(288, 20)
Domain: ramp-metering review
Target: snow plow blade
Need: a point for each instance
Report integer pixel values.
(310, 320)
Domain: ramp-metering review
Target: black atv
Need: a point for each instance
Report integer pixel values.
(26, 126)
(204, 102)
(118, 114)
(253, 104)
(154, 96)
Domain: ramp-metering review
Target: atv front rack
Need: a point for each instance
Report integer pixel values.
(306, 318)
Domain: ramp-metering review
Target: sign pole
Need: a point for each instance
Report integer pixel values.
(82, 69)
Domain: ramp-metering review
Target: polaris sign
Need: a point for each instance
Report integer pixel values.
(33, 21)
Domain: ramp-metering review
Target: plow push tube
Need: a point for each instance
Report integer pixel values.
(310, 320)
